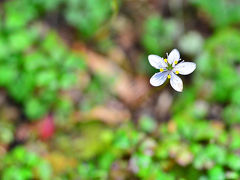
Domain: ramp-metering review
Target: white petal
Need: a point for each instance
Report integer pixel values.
(157, 61)
(173, 56)
(176, 82)
(185, 68)
(158, 78)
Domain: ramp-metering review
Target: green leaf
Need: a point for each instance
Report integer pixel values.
(18, 14)
(159, 34)
(147, 124)
(216, 173)
(88, 16)
(233, 162)
(21, 40)
(35, 109)
(8, 75)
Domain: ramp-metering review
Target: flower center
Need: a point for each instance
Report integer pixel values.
(169, 66)
(169, 76)
(177, 72)
(161, 70)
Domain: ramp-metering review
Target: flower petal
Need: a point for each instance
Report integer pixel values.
(158, 78)
(173, 56)
(185, 68)
(176, 82)
(157, 61)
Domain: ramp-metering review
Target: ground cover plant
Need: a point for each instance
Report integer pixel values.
(76, 100)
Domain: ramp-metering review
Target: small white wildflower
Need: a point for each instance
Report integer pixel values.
(169, 68)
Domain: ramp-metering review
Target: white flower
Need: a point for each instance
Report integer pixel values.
(169, 68)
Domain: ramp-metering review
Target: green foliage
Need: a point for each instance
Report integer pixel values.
(147, 124)
(159, 34)
(221, 12)
(35, 65)
(40, 74)
(216, 81)
(20, 164)
(222, 55)
(88, 16)
(122, 141)
(169, 154)
(18, 14)
(173, 151)
(34, 73)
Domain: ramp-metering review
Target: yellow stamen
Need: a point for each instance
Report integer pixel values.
(165, 60)
(177, 72)
(175, 62)
(169, 76)
(161, 70)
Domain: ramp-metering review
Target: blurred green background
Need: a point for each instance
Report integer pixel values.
(75, 98)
